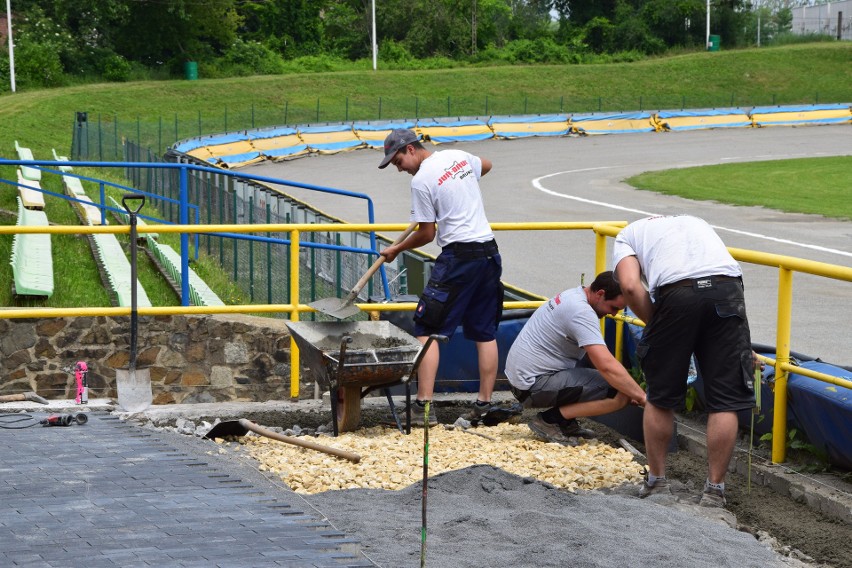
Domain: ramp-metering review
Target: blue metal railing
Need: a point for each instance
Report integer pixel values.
(184, 206)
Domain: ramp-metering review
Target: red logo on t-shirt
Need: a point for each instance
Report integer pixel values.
(453, 171)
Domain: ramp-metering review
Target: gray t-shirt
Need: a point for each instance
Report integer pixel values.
(553, 338)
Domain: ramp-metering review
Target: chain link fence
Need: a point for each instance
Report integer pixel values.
(102, 137)
(259, 263)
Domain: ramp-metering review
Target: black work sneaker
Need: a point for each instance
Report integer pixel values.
(712, 497)
(661, 487)
(477, 412)
(573, 428)
(547, 432)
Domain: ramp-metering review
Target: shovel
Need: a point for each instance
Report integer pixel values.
(242, 427)
(133, 385)
(340, 309)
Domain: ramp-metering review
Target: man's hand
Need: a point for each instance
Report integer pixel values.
(390, 253)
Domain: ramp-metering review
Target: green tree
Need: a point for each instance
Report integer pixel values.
(291, 27)
(159, 32)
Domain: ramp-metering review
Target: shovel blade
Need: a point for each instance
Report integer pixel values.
(335, 307)
(134, 389)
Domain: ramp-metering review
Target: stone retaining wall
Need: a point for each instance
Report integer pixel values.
(208, 358)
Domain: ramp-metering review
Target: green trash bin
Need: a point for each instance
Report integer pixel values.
(713, 43)
(190, 68)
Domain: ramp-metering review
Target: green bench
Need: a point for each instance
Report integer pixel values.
(30, 173)
(200, 293)
(32, 258)
(117, 269)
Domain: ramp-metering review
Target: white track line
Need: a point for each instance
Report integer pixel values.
(538, 185)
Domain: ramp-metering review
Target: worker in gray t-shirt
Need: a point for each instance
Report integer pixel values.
(560, 361)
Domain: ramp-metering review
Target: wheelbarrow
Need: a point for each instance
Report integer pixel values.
(351, 359)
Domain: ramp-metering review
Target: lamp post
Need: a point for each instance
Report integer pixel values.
(11, 45)
(707, 38)
(375, 46)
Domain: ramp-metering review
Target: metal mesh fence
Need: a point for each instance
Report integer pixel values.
(102, 137)
(261, 267)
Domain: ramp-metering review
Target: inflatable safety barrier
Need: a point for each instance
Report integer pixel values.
(373, 135)
(801, 115)
(620, 123)
(454, 131)
(676, 120)
(509, 127)
(330, 139)
(279, 143)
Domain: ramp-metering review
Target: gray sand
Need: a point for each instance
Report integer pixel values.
(484, 516)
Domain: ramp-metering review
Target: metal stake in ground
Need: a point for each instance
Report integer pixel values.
(133, 385)
(425, 483)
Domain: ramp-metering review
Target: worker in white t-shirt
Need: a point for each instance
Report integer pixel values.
(693, 303)
(560, 361)
(464, 287)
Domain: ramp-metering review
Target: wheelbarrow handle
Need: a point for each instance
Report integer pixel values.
(127, 197)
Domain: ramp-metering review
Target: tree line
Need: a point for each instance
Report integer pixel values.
(62, 41)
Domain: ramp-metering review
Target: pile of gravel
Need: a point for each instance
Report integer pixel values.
(484, 516)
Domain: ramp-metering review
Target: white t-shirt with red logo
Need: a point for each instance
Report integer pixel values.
(446, 190)
(673, 248)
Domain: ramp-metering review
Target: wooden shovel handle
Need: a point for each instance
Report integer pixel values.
(249, 425)
(381, 260)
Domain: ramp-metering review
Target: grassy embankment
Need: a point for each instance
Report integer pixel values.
(800, 74)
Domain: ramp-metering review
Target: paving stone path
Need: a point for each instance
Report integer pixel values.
(107, 493)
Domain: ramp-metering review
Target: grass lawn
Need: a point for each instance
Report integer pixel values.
(816, 185)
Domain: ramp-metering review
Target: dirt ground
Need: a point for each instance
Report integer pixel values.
(796, 525)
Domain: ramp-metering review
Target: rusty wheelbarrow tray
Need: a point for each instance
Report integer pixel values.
(349, 359)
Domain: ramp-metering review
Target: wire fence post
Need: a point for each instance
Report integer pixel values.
(100, 139)
(251, 249)
(268, 257)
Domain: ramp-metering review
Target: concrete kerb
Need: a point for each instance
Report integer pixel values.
(826, 494)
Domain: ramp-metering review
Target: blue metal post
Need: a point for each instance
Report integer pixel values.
(184, 239)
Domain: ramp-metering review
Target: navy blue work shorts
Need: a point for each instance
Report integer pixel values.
(464, 289)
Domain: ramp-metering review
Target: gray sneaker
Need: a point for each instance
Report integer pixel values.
(418, 415)
(547, 432)
(713, 497)
(661, 487)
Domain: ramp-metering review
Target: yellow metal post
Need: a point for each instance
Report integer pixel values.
(782, 355)
(600, 265)
(600, 253)
(619, 338)
(294, 315)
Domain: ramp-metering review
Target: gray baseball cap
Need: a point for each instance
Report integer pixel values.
(396, 141)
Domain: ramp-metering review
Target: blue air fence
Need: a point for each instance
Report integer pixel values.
(259, 266)
(101, 137)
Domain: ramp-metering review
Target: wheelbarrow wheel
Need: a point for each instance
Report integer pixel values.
(348, 408)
